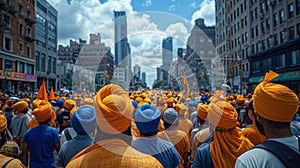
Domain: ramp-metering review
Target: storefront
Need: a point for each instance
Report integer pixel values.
(13, 81)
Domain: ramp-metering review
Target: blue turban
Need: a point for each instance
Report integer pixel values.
(84, 120)
(147, 118)
(134, 104)
(60, 103)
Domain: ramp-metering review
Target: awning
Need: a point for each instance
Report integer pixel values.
(290, 76)
(256, 79)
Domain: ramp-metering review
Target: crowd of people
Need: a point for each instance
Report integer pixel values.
(148, 128)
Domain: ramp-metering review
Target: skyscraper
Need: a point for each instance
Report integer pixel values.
(167, 56)
(137, 71)
(144, 77)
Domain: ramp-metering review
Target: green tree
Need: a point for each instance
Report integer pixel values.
(160, 84)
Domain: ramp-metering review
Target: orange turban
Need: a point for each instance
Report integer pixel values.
(3, 123)
(36, 103)
(240, 99)
(69, 104)
(170, 101)
(20, 106)
(274, 102)
(202, 111)
(27, 100)
(139, 99)
(180, 108)
(222, 114)
(88, 101)
(43, 112)
(72, 111)
(147, 100)
(113, 109)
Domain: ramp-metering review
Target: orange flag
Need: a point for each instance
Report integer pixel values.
(42, 95)
(186, 85)
(51, 95)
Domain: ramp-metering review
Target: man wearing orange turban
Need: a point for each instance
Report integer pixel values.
(112, 148)
(63, 118)
(42, 140)
(275, 106)
(20, 121)
(184, 124)
(228, 143)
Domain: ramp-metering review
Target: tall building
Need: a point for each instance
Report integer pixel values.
(122, 49)
(201, 57)
(46, 44)
(255, 36)
(97, 60)
(17, 63)
(137, 71)
(167, 56)
(144, 77)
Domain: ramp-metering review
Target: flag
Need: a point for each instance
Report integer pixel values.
(42, 95)
(51, 95)
(186, 85)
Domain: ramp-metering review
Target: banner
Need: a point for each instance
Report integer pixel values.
(18, 76)
(1, 74)
(30, 77)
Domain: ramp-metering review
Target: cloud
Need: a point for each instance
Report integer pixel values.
(172, 7)
(194, 5)
(206, 11)
(147, 3)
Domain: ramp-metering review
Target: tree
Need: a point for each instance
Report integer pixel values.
(160, 84)
(67, 79)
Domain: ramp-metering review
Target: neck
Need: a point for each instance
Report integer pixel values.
(181, 117)
(278, 133)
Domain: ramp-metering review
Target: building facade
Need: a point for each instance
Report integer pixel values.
(137, 72)
(144, 77)
(167, 56)
(256, 36)
(46, 44)
(17, 63)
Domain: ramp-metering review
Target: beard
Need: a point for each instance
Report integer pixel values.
(260, 127)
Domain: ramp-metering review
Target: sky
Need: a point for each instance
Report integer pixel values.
(148, 22)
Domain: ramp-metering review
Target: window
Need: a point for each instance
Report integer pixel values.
(246, 20)
(54, 65)
(262, 7)
(268, 21)
(298, 29)
(297, 7)
(267, 64)
(280, 61)
(242, 9)
(256, 13)
(255, 67)
(275, 39)
(252, 16)
(294, 57)
(28, 51)
(51, 27)
(7, 44)
(252, 32)
(21, 50)
(246, 37)
(263, 27)
(263, 44)
(21, 67)
(49, 64)
(282, 37)
(242, 23)
(291, 33)
(281, 13)
(291, 10)
(21, 28)
(256, 30)
(268, 42)
(6, 20)
(40, 19)
(29, 14)
(275, 19)
(8, 65)
(28, 33)
(256, 46)
(21, 10)
(43, 62)
(29, 69)
(267, 5)
(37, 59)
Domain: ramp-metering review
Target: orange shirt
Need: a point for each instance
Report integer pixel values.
(112, 153)
(186, 126)
(15, 163)
(253, 134)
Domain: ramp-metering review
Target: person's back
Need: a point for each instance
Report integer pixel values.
(10, 162)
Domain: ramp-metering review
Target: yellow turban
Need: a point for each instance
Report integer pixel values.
(274, 102)
(180, 108)
(3, 123)
(64, 98)
(72, 111)
(170, 101)
(36, 103)
(69, 104)
(202, 111)
(88, 101)
(20, 106)
(27, 100)
(222, 114)
(240, 99)
(43, 112)
(231, 97)
(113, 109)
(139, 99)
(147, 100)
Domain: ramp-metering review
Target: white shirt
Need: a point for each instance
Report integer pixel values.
(261, 158)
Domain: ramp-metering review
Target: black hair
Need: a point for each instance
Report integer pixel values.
(149, 134)
(125, 135)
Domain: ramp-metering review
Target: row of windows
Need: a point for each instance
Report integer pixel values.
(21, 28)
(8, 46)
(41, 60)
(280, 61)
(21, 9)
(29, 68)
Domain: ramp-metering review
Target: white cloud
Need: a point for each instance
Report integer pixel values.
(147, 3)
(194, 5)
(172, 7)
(206, 11)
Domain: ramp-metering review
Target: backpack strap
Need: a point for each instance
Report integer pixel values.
(286, 155)
(6, 163)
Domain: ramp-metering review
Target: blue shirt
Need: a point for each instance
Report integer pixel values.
(202, 157)
(71, 148)
(162, 150)
(41, 141)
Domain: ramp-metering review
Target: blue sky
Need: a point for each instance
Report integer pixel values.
(149, 21)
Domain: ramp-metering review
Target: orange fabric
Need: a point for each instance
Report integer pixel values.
(200, 138)
(32, 123)
(227, 145)
(202, 111)
(15, 163)
(3, 123)
(186, 85)
(113, 109)
(42, 94)
(240, 99)
(113, 153)
(43, 112)
(180, 108)
(88, 101)
(134, 130)
(51, 95)
(186, 126)
(69, 104)
(179, 139)
(274, 102)
(36, 103)
(20, 106)
(253, 134)
(72, 112)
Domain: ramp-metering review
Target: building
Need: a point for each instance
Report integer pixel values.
(144, 77)
(201, 58)
(69, 53)
(122, 49)
(263, 34)
(96, 58)
(137, 72)
(17, 63)
(46, 44)
(167, 56)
